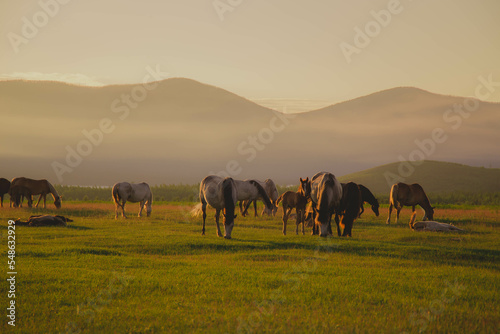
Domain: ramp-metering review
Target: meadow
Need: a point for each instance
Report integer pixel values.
(159, 274)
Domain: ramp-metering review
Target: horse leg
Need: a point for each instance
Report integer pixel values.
(285, 218)
(247, 204)
(39, 198)
(44, 201)
(389, 218)
(241, 208)
(141, 203)
(398, 210)
(204, 210)
(1, 201)
(337, 222)
(123, 209)
(255, 207)
(361, 211)
(298, 212)
(217, 213)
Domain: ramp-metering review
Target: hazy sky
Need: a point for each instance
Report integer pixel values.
(273, 49)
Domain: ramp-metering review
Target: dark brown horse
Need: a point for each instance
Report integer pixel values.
(410, 195)
(367, 196)
(4, 189)
(47, 220)
(350, 206)
(38, 187)
(298, 201)
(17, 195)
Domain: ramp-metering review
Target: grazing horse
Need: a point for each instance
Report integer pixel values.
(349, 208)
(367, 196)
(38, 187)
(17, 195)
(250, 191)
(221, 194)
(124, 191)
(326, 193)
(410, 195)
(298, 201)
(271, 191)
(4, 189)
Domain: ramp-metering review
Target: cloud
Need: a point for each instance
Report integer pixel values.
(73, 78)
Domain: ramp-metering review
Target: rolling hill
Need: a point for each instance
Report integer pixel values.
(179, 130)
(433, 176)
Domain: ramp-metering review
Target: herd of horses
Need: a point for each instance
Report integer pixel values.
(316, 201)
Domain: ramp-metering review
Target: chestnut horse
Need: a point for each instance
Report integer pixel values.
(410, 195)
(38, 187)
(4, 189)
(124, 191)
(222, 195)
(298, 201)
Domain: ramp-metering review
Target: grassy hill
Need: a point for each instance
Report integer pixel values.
(433, 176)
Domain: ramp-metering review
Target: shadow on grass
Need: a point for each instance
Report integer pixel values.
(79, 228)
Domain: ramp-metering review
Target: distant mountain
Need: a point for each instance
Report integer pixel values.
(179, 130)
(433, 176)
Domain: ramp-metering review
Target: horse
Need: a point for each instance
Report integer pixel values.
(4, 189)
(431, 226)
(39, 220)
(350, 206)
(271, 191)
(251, 190)
(410, 195)
(295, 200)
(140, 192)
(17, 195)
(221, 194)
(326, 193)
(367, 196)
(38, 187)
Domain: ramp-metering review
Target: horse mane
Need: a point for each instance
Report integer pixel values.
(227, 189)
(262, 193)
(52, 190)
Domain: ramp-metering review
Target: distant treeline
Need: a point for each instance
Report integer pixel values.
(189, 193)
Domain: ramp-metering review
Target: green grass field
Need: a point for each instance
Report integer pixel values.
(159, 274)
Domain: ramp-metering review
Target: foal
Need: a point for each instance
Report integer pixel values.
(298, 201)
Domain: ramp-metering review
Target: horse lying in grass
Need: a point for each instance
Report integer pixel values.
(431, 226)
(46, 220)
(411, 195)
(298, 201)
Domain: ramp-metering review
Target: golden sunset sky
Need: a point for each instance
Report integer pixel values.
(268, 51)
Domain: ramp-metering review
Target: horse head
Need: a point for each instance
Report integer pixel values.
(429, 214)
(305, 187)
(228, 224)
(375, 209)
(57, 202)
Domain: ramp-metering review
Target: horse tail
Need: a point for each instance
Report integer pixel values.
(116, 194)
(196, 210)
(394, 196)
(323, 199)
(227, 188)
(263, 194)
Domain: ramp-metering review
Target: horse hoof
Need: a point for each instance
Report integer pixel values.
(226, 237)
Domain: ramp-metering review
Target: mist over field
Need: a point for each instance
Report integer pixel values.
(179, 130)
